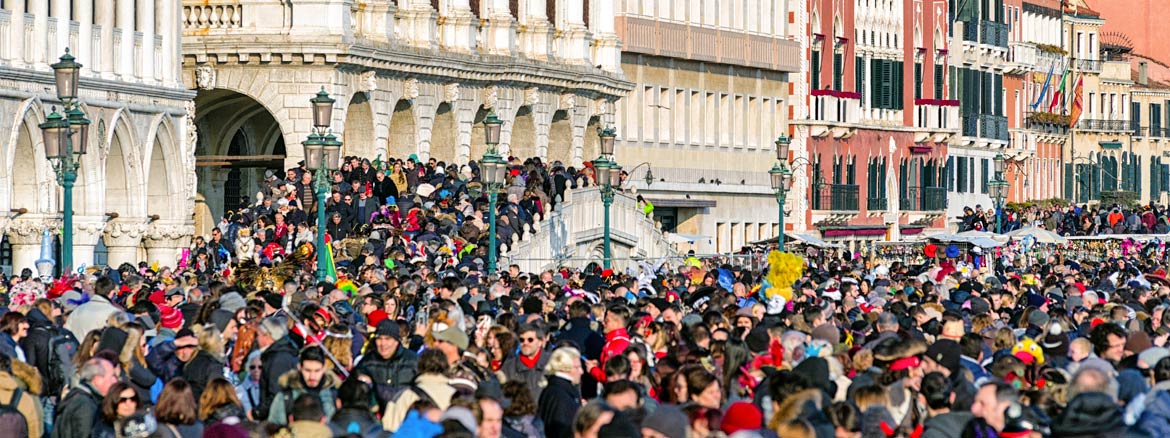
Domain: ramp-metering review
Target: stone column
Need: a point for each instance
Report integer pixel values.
(84, 50)
(606, 45)
(536, 34)
(146, 14)
(86, 232)
(418, 23)
(125, 16)
(40, 12)
(122, 238)
(25, 237)
(164, 240)
(458, 28)
(105, 19)
(500, 31)
(573, 38)
(60, 11)
(16, 32)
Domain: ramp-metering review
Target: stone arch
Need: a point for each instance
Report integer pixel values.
(166, 191)
(256, 87)
(816, 20)
(123, 194)
(523, 141)
(88, 191)
(478, 139)
(444, 134)
(358, 137)
(224, 116)
(403, 136)
(560, 138)
(30, 180)
(591, 147)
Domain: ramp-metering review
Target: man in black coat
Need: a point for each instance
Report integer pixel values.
(561, 399)
(390, 365)
(580, 332)
(279, 356)
(78, 412)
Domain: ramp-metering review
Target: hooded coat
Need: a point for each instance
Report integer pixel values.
(1091, 414)
(293, 386)
(278, 359)
(28, 405)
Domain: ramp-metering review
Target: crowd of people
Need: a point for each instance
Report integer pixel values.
(1071, 219)
(410, 336)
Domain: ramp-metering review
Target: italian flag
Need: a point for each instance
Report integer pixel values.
(1058, 96)
(327, 253)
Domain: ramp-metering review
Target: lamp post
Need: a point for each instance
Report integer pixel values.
(998, 188)
(781, 178)
(322, 152)
(492, 169)
(609, 176)
(66, 136)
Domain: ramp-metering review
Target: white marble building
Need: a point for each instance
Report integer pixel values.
(140, 165)
(410, 77)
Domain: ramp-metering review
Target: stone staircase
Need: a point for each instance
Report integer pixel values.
(572, 235)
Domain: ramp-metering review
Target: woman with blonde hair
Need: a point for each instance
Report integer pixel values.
(338, 341)
(219, 402)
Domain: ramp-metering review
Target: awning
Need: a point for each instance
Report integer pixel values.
(683, 203)
(806, 239)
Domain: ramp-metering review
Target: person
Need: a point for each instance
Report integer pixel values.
(202, 361)
(310, 377)
(278, 356)
(355, 418)
(991, 402)
(529, 365)
(248, 391)
(617, 339)
(219, 403)
(520, 415)
(176, 412)
(936, 395)
(431, 385)
(489, 418)
(12, 394)
(119, 403)
(560, 399)
(77, 414)
(93, 314)
(306, 418)
(13, 329)
(389, 365)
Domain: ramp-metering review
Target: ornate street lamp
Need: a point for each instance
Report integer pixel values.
(492, 169)
(998, 188)
(322, 156)
(781, 179)
(604, 169)
(66, 138)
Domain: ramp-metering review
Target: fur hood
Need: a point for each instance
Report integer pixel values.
(292, 380)
(27, 377)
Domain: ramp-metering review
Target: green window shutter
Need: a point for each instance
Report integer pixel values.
(918, 80)
(875, 83)
(887, 84)
(859, 75)
(816, 70)
(1068, 181)
(950, 174)
(997, 91)
(897, 81)
(1137, 176)
(938, 81)
(838, 70)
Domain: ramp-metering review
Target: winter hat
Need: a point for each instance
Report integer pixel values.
(669, 420)
(757, 339)
(1055, 343)
(742, 416)
(157, 297)
(221, 318)
(620, 427)
(274, 300)
(223, 429)
(376, 317)
(946, 353)
(1038, 318)
(827, 332)
(112, 339)
(452, 335)
(816, 369)
(1137, 342)
(232, 302)
(170, 317)
(388, 327)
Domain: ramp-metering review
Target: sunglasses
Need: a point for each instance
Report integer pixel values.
(254, 367)
(183, 347)
(127, 399)
(527, 340)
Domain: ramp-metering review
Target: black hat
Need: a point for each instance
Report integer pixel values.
(274, 299)
(389, 328)
(946, 352)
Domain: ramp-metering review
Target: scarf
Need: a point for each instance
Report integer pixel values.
(530, 362)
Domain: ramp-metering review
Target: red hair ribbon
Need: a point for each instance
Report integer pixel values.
(905, 363)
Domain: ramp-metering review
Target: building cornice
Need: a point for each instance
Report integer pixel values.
(91, 84)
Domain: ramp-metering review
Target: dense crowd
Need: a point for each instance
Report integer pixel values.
(1071, 219)
(411, 337)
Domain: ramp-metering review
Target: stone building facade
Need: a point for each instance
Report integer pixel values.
(410, 77)
(137, 182)
(714, 85)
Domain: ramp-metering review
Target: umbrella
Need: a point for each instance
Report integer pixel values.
(1039, 234)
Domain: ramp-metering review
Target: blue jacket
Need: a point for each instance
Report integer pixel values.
(1155, 419)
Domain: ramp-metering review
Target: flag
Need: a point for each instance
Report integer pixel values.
(1075, 113)
(1044, 89)
(1058, 96)
(330, 266)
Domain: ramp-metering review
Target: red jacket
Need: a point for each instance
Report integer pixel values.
(615, 344)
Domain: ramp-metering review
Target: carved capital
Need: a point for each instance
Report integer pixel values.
(368, 82)
(125, 233)
(451, 92)
(532, 96)
(29, 231)
(568, 101)
(88, 232)
(167, 235)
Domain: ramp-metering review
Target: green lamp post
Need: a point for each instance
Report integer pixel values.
(322, 153)
(493, 169)
(998, 188)
(608, 175)
(781, 178)
(66, 137)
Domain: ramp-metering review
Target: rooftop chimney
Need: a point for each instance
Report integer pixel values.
(1143, 74)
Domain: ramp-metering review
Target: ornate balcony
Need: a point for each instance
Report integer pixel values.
(936, 119)
(834, 113)
(836, 197)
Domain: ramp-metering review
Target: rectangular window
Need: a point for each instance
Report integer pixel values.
(950, 174)
(938, 81)
(815, 72)
(859, 75)
(997, 90)
(918, 80)
(1155, 120)
(838, 71)
(897, 82)
(1135, 118)
(962, 175)
(986, 175)
(663, 111)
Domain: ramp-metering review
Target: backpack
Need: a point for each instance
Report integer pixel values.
(12, 421)
(62, 347)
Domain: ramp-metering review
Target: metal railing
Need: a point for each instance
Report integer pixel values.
(1104, 125)
(924, 199)
(1089, 65)
(876, 204)
(970, 125)
(970, 31)
(993, 33)
(993, 127)
(842, 197)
